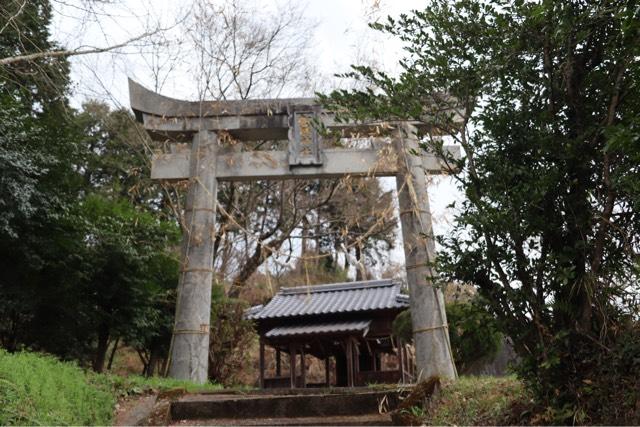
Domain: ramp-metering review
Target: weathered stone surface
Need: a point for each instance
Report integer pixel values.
(190, 342)
(205, 406)
(420, 397)
(254, 165)
(428, 317)
(338, 420)
(147, 101)
(263, 119)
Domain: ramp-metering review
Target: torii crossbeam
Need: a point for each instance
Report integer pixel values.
(196, 155)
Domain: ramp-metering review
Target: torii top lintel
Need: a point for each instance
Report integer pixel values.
(267, 119)
(145, 101)
(164, 117)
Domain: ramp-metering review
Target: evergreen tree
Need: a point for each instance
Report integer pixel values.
(38, 182)
(544, 98)
(85, 250)
(35, 150)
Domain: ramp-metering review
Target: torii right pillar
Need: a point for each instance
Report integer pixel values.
(428, 316)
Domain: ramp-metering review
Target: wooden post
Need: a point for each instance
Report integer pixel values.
(410, 362)
(401, 359)
(303, 368)
(327, 370)
(349, 363)
(292, 365)
(261, 363)
(190, 342)
(428, 318)
(356, 359)
(278, 365)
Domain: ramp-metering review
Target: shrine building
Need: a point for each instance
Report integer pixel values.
(346, 325)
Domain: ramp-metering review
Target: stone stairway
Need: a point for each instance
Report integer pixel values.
(286, 408)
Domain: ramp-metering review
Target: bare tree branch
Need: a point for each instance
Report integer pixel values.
(73, 52)
(14, 16)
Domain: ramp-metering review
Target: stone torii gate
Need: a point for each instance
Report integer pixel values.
(206, 162)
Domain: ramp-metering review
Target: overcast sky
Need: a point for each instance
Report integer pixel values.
(340, 37)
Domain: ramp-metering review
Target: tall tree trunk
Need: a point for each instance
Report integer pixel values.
(361, 272)
(163, 367)
(153, 362)
(113, 353)
(103, 346)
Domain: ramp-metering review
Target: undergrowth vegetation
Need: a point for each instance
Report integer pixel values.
(37, 389)
(132, 385)
(479, 401)
(40, 390)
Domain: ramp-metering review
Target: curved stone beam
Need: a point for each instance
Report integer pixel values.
(145, 101)
(262, 119)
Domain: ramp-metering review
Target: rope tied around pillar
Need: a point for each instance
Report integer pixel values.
(414, 266)
(201, 270)
(414, 211)
(200, 209)
(430, 329)
(192, 331)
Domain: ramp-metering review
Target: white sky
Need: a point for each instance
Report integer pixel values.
(341, 37)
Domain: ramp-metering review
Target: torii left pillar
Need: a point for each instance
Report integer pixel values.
(190, 342)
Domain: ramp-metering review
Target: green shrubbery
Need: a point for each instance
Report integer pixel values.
(591, 387)
(473, 332)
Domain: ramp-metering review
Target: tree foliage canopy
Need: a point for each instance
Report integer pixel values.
(84, 246)
(544, 99)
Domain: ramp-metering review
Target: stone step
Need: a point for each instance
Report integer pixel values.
(292, 406)
(353, 420)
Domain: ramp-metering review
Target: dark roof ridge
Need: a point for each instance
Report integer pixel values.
(345, 286)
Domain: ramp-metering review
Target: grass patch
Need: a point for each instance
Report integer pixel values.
(477, 401)
(40, 390)
(134, 384)
(36, 389)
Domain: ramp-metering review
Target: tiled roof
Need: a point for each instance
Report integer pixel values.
(334, 298)
(320, 328)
